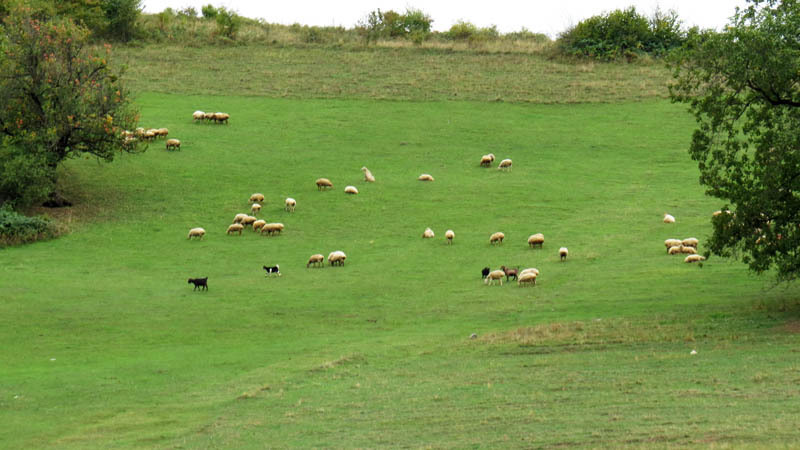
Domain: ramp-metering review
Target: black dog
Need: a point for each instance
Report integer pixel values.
(270, 270)
(201, 283)
(485, 272)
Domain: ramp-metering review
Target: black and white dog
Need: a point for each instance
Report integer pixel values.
(201, 283)
(275, 269)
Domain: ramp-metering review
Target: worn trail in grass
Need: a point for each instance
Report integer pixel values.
(109, 346)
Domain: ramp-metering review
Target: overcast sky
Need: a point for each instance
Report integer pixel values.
(550, 16)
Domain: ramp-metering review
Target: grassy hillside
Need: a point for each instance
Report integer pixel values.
(387, 73)
(107, 345)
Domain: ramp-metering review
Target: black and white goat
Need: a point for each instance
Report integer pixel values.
(276, 269)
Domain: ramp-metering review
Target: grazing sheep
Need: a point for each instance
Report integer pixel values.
(248, 220)
(494, 275)
(536, 239)
(668, 218)
(336, 258)
(689, 250)
(504, 164)
(487, 160)
(368, 177)
(221, 117)
(694, 258)
(485, 272)
(669, 243)
(563, 252)
(208, 116)
(496, 238)
(276, 269)
(529, 270)
(197, 232)
(239, 217)
(350, 190)
(449, 235)
(201, 283)
(198, 115)
(173, 144)
(427, 234)
(234, 227)
(425, 177)
(527, 278)
(272, 228)
(162, 132)
(510, 272)
(323, 183)
(690, 242)
(290, 204)
(255, 208)
(259, 224)
(149, 135)
(675, 250)
(316, 259)
(257, 198)
(139, 132)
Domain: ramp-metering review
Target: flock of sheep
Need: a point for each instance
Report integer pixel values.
(682, 246)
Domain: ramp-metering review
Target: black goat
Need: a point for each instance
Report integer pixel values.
(485, 272)
(201, 283)
(275, 269)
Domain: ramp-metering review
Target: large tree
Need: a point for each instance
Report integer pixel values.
(742, 85)
(58, 99)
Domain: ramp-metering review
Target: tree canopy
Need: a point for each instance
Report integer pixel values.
(742, 87)
(58, 100)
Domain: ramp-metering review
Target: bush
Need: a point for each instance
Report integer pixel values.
(209, 12)
(121, 17)
(228, 22)
(622, 33)
(18, 229)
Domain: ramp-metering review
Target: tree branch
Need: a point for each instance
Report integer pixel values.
(773, 100)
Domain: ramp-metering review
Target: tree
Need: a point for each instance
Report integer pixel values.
(58, 100)
(121, 16)
(743, 87)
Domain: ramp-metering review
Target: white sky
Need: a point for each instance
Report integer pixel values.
(542, 16)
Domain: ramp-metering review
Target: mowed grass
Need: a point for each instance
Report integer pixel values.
(106, 345)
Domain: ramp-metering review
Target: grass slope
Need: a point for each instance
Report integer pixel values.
(107, 346)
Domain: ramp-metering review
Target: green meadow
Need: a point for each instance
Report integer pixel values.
(106, 345)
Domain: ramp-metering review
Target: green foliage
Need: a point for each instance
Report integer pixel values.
(466, 31)
(742, 87)
(209, 12)
(16, 228)
(414, 25)
(228, 22)
(59, 99)
(25, 175)
(122, 16)
(526, 35)
(622, 34)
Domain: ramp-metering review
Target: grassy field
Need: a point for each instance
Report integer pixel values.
(105, 344)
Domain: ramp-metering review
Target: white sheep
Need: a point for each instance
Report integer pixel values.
(350, 190)
(536, 239)
(248, 220)
(323, 183)
(255, 208)
(669, 243)
(487, 160)
(449, 235)
(198, 115)
(563, 252)
(259, 224)
(239, 218)
(368, 177)
(174, 144)
(529, 270)
(290, 204)
(316, 259)
(425, 177)
(427, 234)
(504, 164)
(257, 198)
(690, 242)
(272, 228)
(694, 258)
(197, 232)
(234, 227)
(675, 250)
(497, 238)
(688, 250)
(494, 275)
(668, 218)
(220, 117)
(336, 258)
(527, 278)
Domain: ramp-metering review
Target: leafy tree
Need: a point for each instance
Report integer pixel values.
(121, 16)
(58, 100)
(209, 12)
(743, 87)
(228, 22)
